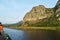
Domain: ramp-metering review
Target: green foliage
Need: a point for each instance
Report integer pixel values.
(51, 22)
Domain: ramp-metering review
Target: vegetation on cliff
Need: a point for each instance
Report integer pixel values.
(40, 16)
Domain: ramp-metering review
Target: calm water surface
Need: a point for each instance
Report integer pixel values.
(31, 34)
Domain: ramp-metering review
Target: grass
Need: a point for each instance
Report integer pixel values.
(47, 28)
(23, 28)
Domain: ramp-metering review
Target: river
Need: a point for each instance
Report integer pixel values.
(14, 34)
(31, 34)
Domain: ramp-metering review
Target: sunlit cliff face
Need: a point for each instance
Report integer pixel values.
(41, 14)
(38, 12)
(58, 9)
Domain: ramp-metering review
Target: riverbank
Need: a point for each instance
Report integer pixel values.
(47, 28)
(24, 28)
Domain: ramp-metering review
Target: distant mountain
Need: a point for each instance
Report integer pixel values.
(13, 25)
(42, 16)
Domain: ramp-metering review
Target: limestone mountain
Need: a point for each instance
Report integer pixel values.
(42, 16)
(57, 10)
(37, 13)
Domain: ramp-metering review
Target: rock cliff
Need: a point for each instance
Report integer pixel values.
(40, 15)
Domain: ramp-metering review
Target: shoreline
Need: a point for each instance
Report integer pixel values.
(36, 28)
(43, 28)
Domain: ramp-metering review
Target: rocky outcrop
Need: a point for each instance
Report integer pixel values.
(57, 10)
(40, 14)
(36, 13)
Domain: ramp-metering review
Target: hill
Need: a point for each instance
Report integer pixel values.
(42, 16)
(13, 25)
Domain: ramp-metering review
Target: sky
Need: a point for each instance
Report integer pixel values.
(13, 11)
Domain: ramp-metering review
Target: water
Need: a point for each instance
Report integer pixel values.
(40, 35)
(31, 34)
(14, 34)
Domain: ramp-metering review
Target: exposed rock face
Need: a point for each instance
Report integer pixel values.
(57, 10)
(36, 13)
(39, 13)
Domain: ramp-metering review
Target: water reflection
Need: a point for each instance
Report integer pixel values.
(39, 35)
(31, 34)
(58, 33)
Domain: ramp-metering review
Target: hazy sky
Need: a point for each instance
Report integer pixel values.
(12, 11)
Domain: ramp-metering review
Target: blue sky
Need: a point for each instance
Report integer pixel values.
(12, 11)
